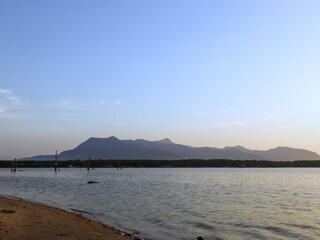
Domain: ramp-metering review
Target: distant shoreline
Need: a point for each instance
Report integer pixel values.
(190, 163)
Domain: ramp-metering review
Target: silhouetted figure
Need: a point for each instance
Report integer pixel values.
(118, 166)
(14, 165)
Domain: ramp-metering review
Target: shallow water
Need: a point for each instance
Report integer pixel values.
(215, 203)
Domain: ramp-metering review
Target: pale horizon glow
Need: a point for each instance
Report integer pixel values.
(205, 73)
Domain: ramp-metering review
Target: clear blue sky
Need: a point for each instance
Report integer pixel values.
(203, 73)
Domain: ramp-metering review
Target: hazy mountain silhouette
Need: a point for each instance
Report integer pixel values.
(165, 149)
(40, 157)
(113, 148)
(287, 154)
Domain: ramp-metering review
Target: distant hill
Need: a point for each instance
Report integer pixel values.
(40, 157)
(113, 148)
(288, 154)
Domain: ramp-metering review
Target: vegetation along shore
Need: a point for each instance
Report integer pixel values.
(162, 163)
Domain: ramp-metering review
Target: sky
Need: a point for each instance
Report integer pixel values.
(202, 73)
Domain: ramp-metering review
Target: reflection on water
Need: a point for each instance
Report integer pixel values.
(183, 203)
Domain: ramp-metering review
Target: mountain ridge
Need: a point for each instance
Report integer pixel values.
(165, 149)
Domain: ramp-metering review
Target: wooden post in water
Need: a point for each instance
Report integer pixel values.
(89, 164)
(56, 162)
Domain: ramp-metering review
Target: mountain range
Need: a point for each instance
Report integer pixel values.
(165, 149)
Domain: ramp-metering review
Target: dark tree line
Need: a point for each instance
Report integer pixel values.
(190, 163)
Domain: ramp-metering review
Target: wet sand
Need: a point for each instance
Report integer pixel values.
(24, 220)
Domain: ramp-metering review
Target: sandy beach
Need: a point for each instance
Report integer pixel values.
(24, 220)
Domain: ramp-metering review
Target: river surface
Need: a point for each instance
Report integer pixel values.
(170, 203)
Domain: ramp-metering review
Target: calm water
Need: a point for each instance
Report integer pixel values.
(183, 203)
